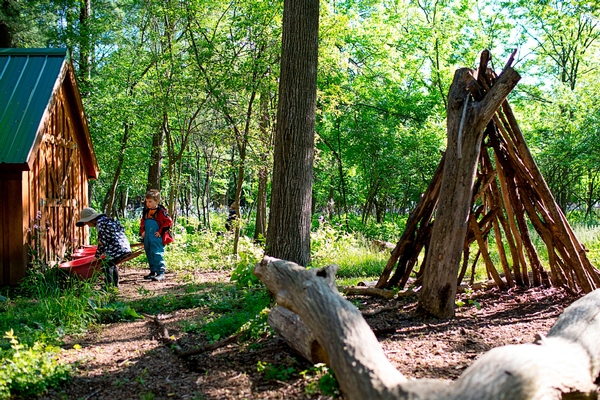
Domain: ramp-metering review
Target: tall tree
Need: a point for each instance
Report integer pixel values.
(85, 51)
(8, 14)
(260, 226)
(288, 234)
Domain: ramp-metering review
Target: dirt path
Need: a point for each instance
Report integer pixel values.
(129, 361)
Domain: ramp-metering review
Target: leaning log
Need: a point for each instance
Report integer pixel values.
(466, 123)
(563, 365)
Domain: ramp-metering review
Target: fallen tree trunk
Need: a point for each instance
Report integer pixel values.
(564, 365)
(291, 328)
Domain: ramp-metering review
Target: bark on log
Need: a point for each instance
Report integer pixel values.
(295, 333)
(564, 365)
(337, 324)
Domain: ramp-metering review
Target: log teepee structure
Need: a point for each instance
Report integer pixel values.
(508, 190)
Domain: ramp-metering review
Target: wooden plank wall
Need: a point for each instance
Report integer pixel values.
(58, 185)
(13, 238)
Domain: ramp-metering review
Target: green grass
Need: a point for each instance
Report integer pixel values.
(590, 237)
(351, 252)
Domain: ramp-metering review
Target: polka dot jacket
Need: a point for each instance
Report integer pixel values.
(112, 241)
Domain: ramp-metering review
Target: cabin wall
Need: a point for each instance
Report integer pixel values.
(58, 185)
(13, 232)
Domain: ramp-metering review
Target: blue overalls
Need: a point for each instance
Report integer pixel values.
(155, 250)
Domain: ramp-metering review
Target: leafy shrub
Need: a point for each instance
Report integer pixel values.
(329, 385)
(258, 326)
(321, 379)
(29, 371)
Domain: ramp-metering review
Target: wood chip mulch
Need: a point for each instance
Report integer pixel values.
(128, 360)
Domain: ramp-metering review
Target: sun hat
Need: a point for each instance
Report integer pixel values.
(86, 215)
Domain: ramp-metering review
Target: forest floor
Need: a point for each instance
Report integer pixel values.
(128, 360)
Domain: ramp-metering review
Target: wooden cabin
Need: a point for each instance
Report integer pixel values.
(46, 160)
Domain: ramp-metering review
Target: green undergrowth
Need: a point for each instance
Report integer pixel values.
(352, 253)
(48, 306)
(29, 370)
(34, 318)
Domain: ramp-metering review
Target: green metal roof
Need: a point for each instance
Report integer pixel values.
(27, 80)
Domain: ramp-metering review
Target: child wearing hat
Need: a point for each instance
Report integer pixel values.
(155, 231)
(113, 245)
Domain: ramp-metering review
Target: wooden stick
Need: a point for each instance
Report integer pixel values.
(463, 268)
(511, 58)
(368, 291)
(210, 347)
(485, 253)
(420, 215)
(493, 202)
(472, 278)
(520, 260)
(573, 246)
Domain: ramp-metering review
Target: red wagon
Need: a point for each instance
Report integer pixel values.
(84, 265)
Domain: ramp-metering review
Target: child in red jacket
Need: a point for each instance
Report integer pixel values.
(154, 229)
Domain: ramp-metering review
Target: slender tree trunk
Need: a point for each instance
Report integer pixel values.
(174, 187)
(206, 192)
(288, 235)
(236, 203)
(591, 198)
(156, 155)
(337, 154)
(260, 230)
(198, 194)
(242, 144)
(85, 46)
(123, 203)
(260, 225)
(109, 200)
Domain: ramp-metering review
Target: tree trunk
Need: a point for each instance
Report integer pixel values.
(465, 126)
(156, 155)
(564, 365)
(260, 225)
(288, 234)
(85, 46)
(109, 200)
(208, 156)
(10, 11)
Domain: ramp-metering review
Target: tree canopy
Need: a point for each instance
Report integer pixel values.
(177, 95)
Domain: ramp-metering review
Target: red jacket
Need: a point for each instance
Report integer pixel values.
(164, 221)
